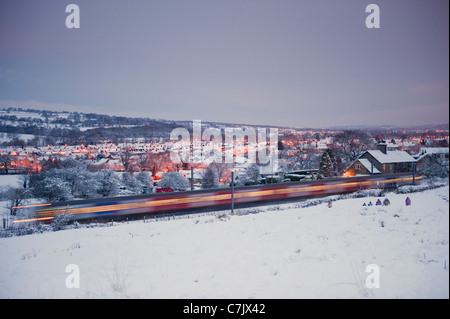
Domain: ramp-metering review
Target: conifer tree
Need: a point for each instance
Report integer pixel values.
(326, 168)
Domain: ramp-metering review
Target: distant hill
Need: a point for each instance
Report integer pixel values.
(391, 127)
(74, 127)
(42, 127)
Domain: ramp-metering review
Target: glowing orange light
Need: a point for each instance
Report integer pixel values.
(36, 205)
(31, 219)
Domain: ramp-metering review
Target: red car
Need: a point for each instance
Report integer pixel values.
(164, 190)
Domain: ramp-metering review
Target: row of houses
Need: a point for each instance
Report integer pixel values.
(386, 159)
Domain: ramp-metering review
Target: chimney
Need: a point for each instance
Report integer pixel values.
(382, 146)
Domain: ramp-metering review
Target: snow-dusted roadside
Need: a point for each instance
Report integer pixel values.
(309, 252)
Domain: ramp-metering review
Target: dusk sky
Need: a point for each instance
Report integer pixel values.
(301, 63)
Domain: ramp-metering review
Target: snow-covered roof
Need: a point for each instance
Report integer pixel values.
(419, 156)
(101, 161)
(366, 163)
(434, 150)
(391, 156)
(392, 146)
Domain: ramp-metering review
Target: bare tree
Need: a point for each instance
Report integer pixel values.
(223, 171)
(350, 144)
(16, 198)
(210, 177)
(308, 160)
(125, 157)
(154, 162)
(5, 162)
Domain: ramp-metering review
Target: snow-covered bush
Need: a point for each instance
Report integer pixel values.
(108, 183)
(131, 182)
(374, 192)
(432, 168)
(53, 188)
(144, 178)
(71, 179)
(174, 180)
(60, 221)
(252, 174)
(426, 183)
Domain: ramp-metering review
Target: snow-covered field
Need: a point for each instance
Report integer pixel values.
(12, 180)
(281, 252)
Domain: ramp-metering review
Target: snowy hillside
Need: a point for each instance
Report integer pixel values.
(282, 252)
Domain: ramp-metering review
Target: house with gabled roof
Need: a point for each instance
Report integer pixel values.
(381, 161)
(361, 167)
(439, 154)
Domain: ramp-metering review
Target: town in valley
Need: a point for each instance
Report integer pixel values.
(134, 154)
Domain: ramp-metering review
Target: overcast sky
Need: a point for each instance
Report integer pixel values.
(302, 63)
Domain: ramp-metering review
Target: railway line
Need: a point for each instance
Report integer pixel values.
(210, 199)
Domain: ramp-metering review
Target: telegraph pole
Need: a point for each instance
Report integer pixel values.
(232, 192)
(192, 178)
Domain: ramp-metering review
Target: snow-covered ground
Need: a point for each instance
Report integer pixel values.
(12, 180)
(282, 252)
